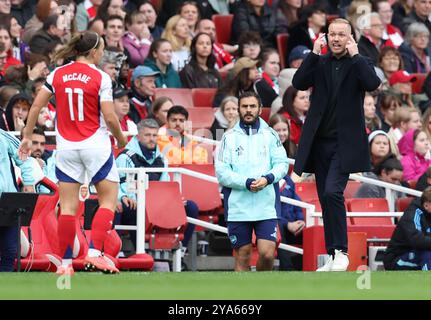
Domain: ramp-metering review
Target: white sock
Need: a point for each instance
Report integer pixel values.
(66, 262)
(93, 253)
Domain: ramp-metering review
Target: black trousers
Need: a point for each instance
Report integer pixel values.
(331, 183)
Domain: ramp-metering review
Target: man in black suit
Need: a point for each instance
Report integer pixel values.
(333, 141)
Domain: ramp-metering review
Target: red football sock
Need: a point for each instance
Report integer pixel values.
(66, 235)
(102, 223)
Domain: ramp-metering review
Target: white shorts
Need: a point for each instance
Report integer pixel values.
(86, 165)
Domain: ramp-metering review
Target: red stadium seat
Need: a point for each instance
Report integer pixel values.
(318, 208)
(351, 189)
(205, 194)
(179, 96)
(203, 97)
(165, 220)
(223, 24)
(417, 86)
(402, 204)
(369, 205)
(306, 190)
(282, 39)
(201, 117)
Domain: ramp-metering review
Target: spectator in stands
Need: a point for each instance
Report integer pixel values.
(16, 112)
(176, 144)
(122, 108)
(388, 170)
(53, 31)
(371, 27)
(255, 15)
(9, 154)
(148, 10)
(142, 151)
(390, 61)
(190, 11)
(388, 104)
(67, 8)
(171, 7)
(355, 10)
(311, 23)
(401, 8)
(419, 14)
(244, 74)
(200, 71)
(44, 8)
(225, 117)
(23, 76)
(415, 50)
(380, 147)
(267, 87)
(410, 245)
(250, 45)
(160, 108)
(372, 121)
(114, 32)
(160, 59)
(22, 10)
(85, 12)
(285, 81)
(222, 52)
(137, 39)
(143, 89)
(392, 36)
(45, 121)
(414, 147)
(177, 33)
(250, 160)
(6, 40)
(281, 125)
(335, 113)
(111, 61)
(286, 13)
(111, 8)
(18, 46)
(404, 120)
(39, 152)
(401, 86)
(295, 107)
(297, 55)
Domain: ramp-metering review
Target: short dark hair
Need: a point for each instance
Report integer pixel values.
(249, 94)
(50, 21)
(178, 110)
(388, 164)
(113, 17)
(39, 131)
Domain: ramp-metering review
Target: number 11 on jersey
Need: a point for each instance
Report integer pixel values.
(80, 94)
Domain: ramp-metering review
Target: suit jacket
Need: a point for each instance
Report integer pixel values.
(358, 76)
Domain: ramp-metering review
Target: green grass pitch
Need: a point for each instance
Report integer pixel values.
(219, 285)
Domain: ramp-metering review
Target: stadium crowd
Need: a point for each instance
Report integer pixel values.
(173, 44)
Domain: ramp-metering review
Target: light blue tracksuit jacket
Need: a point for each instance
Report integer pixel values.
(248, 153)
(9, 152)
